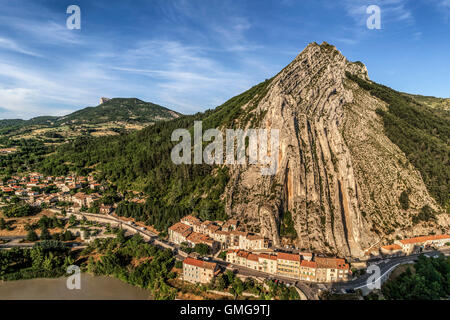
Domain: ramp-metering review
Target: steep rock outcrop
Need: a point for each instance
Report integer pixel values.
(338, 174)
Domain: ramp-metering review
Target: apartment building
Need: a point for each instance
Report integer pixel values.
(308, 270)
(268, 263)
(288, 264)
(292, 266)
(199, 271)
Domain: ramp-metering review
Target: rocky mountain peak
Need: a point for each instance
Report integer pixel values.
(338, 174)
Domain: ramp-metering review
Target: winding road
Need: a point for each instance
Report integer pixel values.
(310, 290)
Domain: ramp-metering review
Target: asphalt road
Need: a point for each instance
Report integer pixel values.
(385, 265)
(309, 289)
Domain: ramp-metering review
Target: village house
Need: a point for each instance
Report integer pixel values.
(292, 266)
(198, 271)
(192, 221)
(203, 228)
(306, 256)
(94, 186)
(230, 225)
(288, 264)
(391, 250)
(179, 232)
(7, 189)
(79, 199)
(253, 242)
(408, 245)
(20, 192)
(91, 198)
(267, 263)
(331, 269)
(50, 199)
(223, 237)
(63, 187)
(82, 199)
(106, 209)
(195, 238)
(212, 229)
(245, 241)
(308, 270)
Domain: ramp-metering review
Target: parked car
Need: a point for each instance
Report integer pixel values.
(349, 291)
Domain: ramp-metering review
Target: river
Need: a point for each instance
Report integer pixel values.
(92, 288)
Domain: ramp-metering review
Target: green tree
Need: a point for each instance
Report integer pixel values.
(45, 234)
(404, 200)
(32, 236)
(68, 236)
(202, 249)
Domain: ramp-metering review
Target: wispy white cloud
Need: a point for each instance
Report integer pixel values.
(9, 44)
(184, 70)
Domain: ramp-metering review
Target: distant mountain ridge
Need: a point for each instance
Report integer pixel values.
(115, 109)
(121, 109)
(112, 116)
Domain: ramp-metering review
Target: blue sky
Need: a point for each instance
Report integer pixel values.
(191, 55)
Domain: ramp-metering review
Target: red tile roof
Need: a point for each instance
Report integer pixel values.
(242, 253)
(392, 247)
(200, 263)
(308, 264)
(254, 237)
(191, 219)
(267, 256)
(180, 228)
(424, 238)
(252, 257)
(288, 256)
(333, 263)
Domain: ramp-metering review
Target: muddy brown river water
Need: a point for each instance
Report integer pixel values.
(92, 288)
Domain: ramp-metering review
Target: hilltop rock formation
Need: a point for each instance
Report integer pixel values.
(103, 100)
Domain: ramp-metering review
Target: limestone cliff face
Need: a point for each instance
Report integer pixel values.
(338, 174)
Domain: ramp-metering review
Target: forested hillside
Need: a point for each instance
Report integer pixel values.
(115, 116)
(130, 110)
(141, 161)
